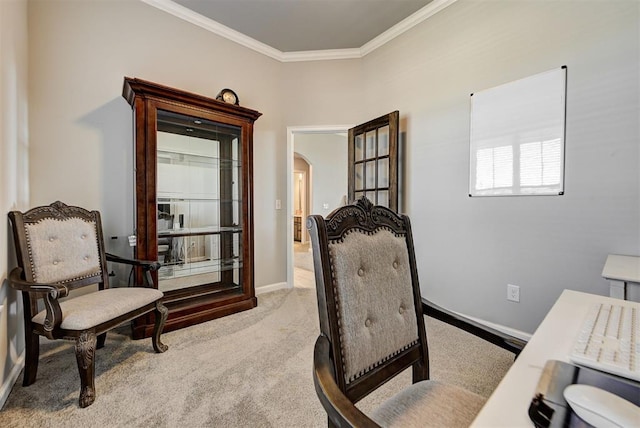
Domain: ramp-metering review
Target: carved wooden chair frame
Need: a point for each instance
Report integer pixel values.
(336, 395)
(24, 279)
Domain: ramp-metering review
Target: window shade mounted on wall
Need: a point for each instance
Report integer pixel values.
(517, 137)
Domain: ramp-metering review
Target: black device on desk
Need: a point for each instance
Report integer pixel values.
(549, 408)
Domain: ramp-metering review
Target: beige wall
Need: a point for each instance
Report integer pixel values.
(322, 93)
(469, 249)
(14, 185)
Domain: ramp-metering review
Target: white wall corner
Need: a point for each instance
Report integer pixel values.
(10, 380)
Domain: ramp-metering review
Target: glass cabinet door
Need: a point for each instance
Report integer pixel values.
(199, 205)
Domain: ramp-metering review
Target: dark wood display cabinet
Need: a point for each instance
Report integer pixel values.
(193, 159)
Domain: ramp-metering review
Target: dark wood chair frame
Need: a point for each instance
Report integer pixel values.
(336, 396)
(86, 341)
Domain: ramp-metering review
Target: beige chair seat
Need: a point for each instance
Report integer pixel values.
(429, 403)
(89, 310)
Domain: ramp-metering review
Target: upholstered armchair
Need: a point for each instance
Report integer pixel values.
(60, 250)
(371, 323)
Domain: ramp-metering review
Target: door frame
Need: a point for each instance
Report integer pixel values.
(291, 132)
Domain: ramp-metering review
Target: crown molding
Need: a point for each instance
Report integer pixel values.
(405, 25)
(327, 54)
(188, 15)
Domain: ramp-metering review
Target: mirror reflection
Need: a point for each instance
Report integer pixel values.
(199, 220)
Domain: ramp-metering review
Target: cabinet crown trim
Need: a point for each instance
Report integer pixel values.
(134, 87)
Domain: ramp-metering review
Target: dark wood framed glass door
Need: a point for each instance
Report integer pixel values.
(373, 161)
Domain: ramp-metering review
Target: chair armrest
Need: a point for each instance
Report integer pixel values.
(503, 340)
(17, 282)
(340, 410)
(146, 265)
(51, 292)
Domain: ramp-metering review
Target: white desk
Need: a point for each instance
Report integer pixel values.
(509, 403)
(621, 271)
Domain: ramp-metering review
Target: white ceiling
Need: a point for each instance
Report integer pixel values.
(298, 30)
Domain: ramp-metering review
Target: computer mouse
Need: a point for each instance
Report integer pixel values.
(601, 408)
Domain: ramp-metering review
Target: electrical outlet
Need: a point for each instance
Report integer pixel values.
(513, 293)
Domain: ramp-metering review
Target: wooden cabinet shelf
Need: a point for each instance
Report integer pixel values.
(193, 159)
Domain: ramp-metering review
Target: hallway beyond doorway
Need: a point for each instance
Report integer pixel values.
(302, 256)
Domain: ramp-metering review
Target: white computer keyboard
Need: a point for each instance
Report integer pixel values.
(610, 340)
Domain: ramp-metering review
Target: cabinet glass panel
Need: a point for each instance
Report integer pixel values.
(199, 206)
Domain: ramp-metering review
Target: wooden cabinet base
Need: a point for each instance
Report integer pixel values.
(180, 318)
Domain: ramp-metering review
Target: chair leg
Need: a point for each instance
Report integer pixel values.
(85, 355)
(32, 355)
(101, 339)
(161, 313)
(420, 372)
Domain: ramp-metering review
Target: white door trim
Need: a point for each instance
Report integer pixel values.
(291, 131)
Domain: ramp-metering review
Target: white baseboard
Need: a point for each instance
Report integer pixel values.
(8, 383)
(272, 287)
(502, 328)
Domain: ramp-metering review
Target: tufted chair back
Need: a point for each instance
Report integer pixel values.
(368, 296)
(60, 244)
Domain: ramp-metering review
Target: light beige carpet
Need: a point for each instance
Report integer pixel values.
(251, 369)
(302, 256)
